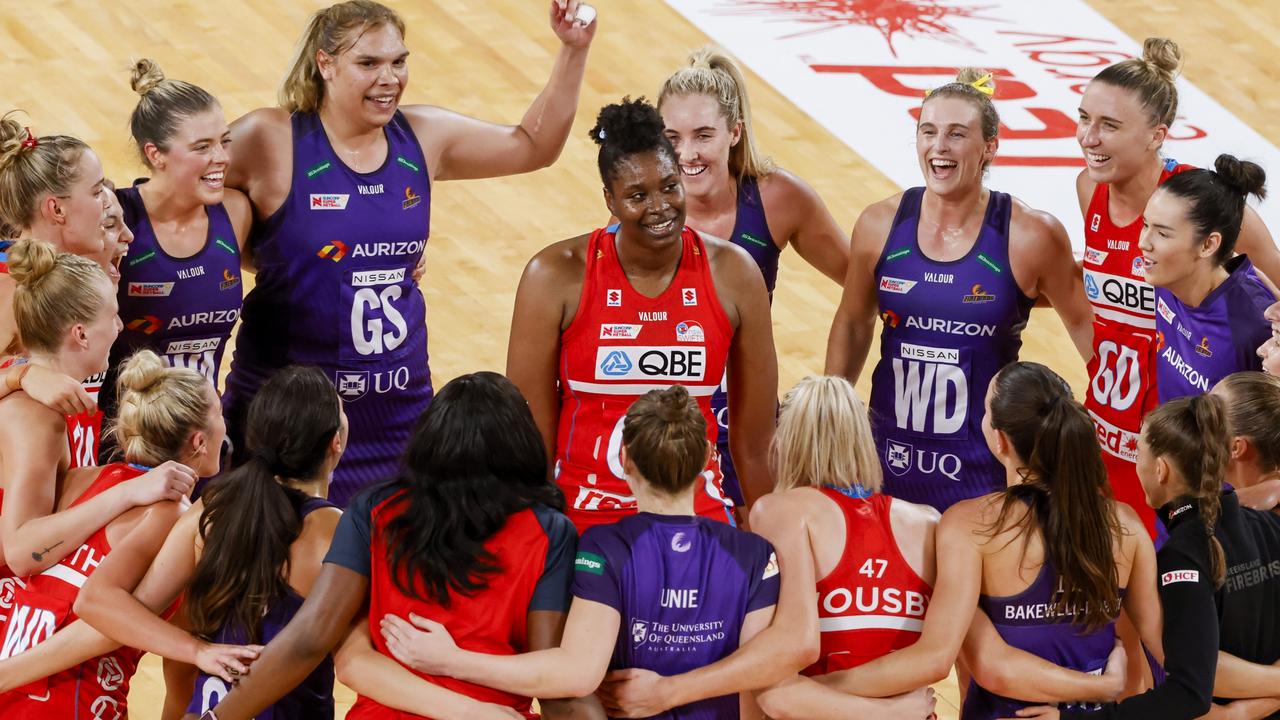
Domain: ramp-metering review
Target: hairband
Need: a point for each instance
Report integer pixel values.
(31, 140)
(983, 85)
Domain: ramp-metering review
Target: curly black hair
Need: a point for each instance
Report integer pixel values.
(627, 128)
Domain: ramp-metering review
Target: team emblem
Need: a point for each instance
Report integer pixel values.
(690, 331)
(898, 457)
(1139, 267)
(978, 295)
(680, 542)
(352, 385)
(411, 199)
(228, 280)
(110, 676)
(1095, 222)
(1203, 347)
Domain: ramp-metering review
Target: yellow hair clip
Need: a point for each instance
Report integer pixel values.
(982, 85)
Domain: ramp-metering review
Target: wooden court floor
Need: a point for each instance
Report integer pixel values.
(66, 63)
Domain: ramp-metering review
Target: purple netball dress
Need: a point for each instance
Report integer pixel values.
(682, 586)
(1032, 621)
(183, 309)
(949, 327)
(334, 289)
(312, 699)
(1198, 346)
(751, 233)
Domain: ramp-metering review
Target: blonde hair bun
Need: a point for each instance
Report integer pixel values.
(146, 76)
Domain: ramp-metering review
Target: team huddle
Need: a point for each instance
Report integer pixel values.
(628, 523)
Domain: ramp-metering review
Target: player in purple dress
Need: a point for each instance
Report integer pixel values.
(180, 292)
(662, 590)
(245, 555)
(952, 269)
(1209, 304)
(340, 177)
(734, 192)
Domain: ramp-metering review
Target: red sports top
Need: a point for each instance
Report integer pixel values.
(96, 688)
(620, 345)
(872, 603)
(1122, 372)
(492, 620)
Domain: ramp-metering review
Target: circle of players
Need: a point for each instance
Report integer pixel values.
(575, 531)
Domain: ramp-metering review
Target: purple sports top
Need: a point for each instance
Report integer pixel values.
(1198, 346)
(182, 308)
(334, 289)
(682, 586)
(949, 327)
(1031, 621)
(751, 233)
(313, 697)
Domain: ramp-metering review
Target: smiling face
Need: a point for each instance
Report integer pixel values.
(196, 161)
(647, 197)
(118, 238)
(1116, 133)
(79, 214)
(1171, 251)
(366, 81)
(950, 146)
(702, 139)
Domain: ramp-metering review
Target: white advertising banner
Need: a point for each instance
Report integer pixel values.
(861, 67)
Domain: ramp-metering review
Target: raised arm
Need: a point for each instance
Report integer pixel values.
(1256, 242)
(854, 323)
(753, 376)
(465, 148)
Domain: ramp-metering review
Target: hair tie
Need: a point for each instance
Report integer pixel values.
(600, 133)
(268, 456)
(984, 86)
(31, 140)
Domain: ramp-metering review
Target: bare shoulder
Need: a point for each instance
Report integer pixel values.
(19, 409)
(914, 514)
(879, 215)
(318, 528)
(1085, 186)
(1031, 225)
(561, 261)
(264, 125)
(1132, 529)
(726, 255)
(777, 512)
(784, 186)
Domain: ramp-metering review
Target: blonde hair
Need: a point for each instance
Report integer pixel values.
(165, 104)
(824, 438)
(55, 290)
(966, 86)
(1151, 77)
(334, 30)
(711, 71)
(160, 406)
(32, 167)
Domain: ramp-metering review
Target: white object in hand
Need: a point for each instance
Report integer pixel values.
(585, 15)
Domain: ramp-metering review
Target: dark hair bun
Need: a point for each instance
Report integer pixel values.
(1242, 176)
(629, 126)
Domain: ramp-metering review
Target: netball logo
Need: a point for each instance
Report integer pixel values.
(898, 457)
(639, 632)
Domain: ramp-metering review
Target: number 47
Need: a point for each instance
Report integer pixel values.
(873, 568)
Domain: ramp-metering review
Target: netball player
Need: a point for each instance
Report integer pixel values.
(1213, 596)
(167, 415)
(65, 310)
(180, 292)
(1125, 115)
(468, 534)
(340, 178)
(1209, 302)
(734, 192)
(602, 318)
(953, 269)
(247, 554)
(641, 592)
(52, 189)
(1253, 409)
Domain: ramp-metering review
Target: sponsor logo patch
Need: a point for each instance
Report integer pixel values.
(589, 563)
(329, 201)
(929, 354)
(771, 567)
(146, 324)
(1139, 267)
(352, 385)
(1177, 576)
(898, 456)
(1164, 311)
(613, 297)
(192, 346)
(1094, 256)
(374, 278)
(618, 331)
(897, 286)
(689, 296)
(649, 363)
(335, 250)
(150, 289)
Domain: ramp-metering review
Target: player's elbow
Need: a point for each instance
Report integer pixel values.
(20, 564)
(775, 704)
(994, 676)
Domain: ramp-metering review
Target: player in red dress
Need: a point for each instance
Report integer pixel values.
(1125, 115)
(602, 318)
